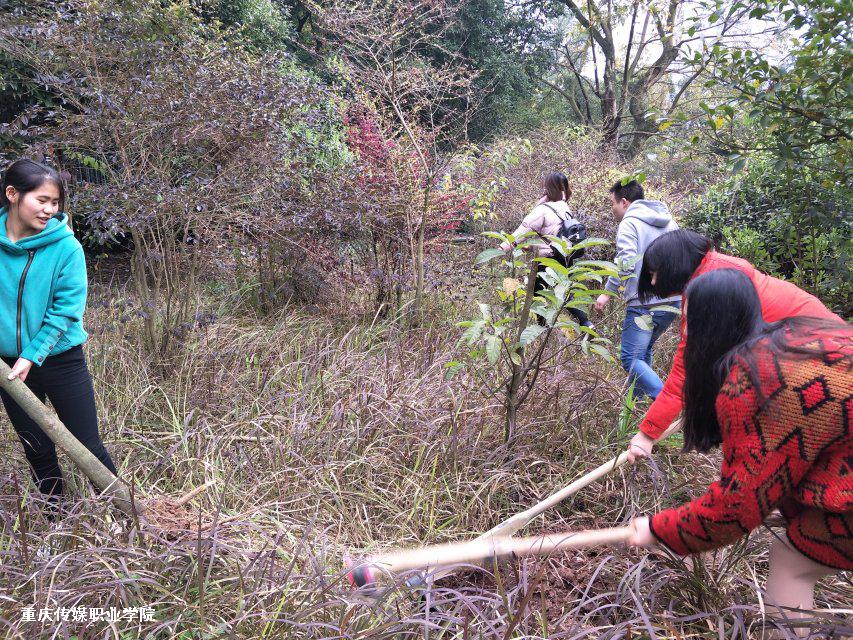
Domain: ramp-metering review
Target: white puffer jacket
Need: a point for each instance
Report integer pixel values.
(546, 220)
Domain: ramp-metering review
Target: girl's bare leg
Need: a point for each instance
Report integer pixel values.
(791, 583)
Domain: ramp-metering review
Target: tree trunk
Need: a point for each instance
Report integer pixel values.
(519, 370)
(511, 413)
(65, 440)
(418, 262)
(646, 126)
(611, 118)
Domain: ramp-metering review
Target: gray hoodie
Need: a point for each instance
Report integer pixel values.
(644, 221)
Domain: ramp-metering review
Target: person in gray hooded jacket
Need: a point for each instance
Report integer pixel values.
(640, 222)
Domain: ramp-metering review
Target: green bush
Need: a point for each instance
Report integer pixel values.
(260, 24)
(795, 228)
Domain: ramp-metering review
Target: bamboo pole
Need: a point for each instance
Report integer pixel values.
(513, 524)
(510, 526)
(477, 551)
(50, 423)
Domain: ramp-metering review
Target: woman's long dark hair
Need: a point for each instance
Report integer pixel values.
(724, 323)
(26, 175)
(673, 257)
(723, 311)
(557, 184)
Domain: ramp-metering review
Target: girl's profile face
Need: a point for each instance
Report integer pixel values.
(34, 209)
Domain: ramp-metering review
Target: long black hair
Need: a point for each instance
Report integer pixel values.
(673, 257)
(26, 175)
(724, 323)
(556, 185)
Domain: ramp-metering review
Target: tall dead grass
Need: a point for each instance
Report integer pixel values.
(326, 436)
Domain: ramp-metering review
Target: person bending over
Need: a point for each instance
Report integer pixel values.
(669, 264)
(777, 399)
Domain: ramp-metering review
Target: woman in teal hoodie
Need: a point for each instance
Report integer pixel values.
(42, 298)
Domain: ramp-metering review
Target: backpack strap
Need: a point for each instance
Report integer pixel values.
(545, 204)
(543, 238)
(562, 219)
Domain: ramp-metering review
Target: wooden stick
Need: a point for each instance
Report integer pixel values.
(511, 525)
(50, 423)
(189, 495)
(488, 548)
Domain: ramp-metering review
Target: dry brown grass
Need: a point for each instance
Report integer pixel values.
(334, 435)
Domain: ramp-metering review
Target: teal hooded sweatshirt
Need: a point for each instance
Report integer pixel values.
(42, 292)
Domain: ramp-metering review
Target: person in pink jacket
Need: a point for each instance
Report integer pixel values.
(546, 219)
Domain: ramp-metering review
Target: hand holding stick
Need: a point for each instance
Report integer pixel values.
(50, 423)
(515, 523)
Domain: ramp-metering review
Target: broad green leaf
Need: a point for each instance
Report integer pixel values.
(591, 242)
(493, 349)
(549, 296)
(644, 322)
(604, 353)
(668, 308)
(596, 264)
(556, 266)
(488, 254)
(473, 333)
(452, 368)
(530, 334)
(485, 310)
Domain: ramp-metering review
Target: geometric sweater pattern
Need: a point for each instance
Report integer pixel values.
(787, 445)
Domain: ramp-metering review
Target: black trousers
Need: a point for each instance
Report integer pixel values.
(65, 380)
(578, 315)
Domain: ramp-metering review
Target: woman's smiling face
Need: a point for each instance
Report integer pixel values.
(34, 209)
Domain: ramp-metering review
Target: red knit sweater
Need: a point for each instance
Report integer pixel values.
(779, 300)
(787, 445)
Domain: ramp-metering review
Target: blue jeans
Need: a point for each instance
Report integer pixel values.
(636, 350)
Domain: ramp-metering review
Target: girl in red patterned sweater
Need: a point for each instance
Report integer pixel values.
(778, 398)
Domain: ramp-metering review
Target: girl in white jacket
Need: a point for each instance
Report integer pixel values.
(546, 219)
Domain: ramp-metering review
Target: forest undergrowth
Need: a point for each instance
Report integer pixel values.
(333, 434)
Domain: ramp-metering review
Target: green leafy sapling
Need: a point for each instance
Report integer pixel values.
(515, 336)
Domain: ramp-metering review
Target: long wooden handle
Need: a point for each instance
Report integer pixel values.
(484, 549)
(50, 423)
(511, 525)
(519, 520)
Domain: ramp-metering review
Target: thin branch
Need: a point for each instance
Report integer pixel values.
(569, 98)
(585, 22)
(642, 46)
(683, 88)
(625, 72)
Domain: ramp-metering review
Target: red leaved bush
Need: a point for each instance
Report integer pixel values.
(388, 169)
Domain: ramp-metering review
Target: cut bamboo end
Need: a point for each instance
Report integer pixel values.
(189, 495)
